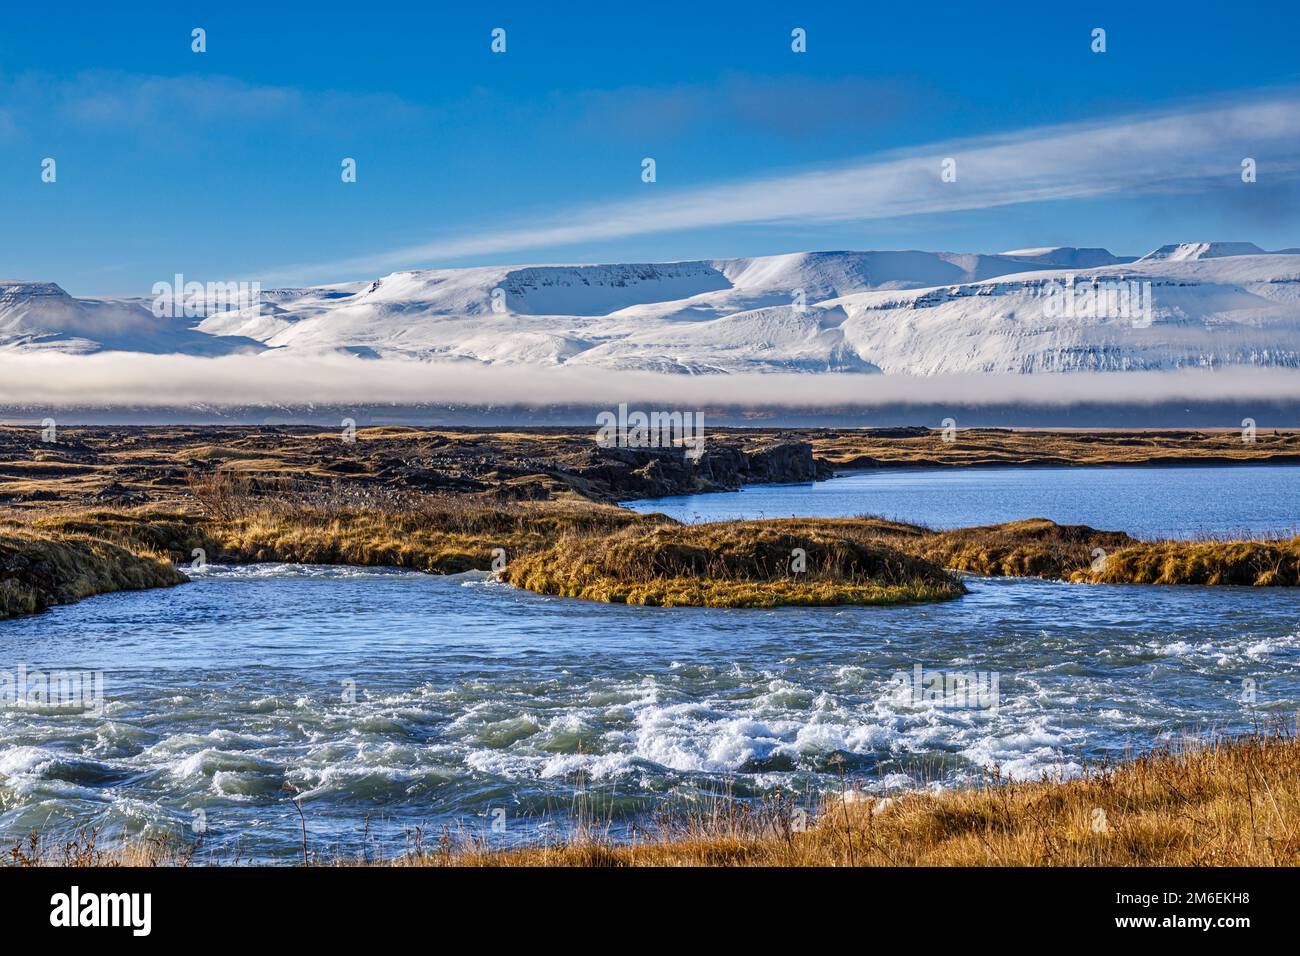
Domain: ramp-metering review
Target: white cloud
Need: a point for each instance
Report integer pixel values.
(1177, 151)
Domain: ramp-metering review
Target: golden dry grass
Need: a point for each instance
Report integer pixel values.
(444, 542)
(732, 564)
(37, 571)
(1037, 547)
(1033, 547)
(599, 552)
(914, 448)
(70, 555)
(1255, 563)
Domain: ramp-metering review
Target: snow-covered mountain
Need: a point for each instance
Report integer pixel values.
(40, 315)
(1187, 251)
(922, 313)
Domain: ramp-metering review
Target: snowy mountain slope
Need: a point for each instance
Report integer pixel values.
(1188, 251)
(554, 313)
(424, 311)
(1068, 257)
(1214, 312)
(776, 338)
(40, 315)
(921, 313)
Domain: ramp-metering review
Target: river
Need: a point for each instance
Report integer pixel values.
(388, 701)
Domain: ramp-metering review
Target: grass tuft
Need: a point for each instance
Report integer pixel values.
(600, 552)
(731, 564)
(37, 572)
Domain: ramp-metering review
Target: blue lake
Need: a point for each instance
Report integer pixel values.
(1145, 502)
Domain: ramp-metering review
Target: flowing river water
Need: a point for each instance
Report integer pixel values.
(394, 702)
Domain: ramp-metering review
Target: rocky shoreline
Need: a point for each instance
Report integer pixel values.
(628, 474)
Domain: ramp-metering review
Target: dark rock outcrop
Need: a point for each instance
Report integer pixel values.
(625, 474)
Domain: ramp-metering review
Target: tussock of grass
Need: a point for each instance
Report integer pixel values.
(404, 541)
(733, 564)
(1035, 547)
(446, 536)
(37, 572)
(1258, 563)
(602, 553)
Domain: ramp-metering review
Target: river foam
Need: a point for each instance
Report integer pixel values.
(385, 700)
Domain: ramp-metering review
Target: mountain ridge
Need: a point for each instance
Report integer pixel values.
(1211, 304)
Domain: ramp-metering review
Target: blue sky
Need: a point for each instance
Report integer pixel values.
(226, 165)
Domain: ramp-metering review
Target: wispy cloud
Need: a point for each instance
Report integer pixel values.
(1136, 155)
(118, 380)
(148, 107)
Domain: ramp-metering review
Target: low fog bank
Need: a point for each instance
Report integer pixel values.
(123, 388)
(1182, 415)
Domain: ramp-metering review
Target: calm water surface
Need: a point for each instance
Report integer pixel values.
(1145, 502)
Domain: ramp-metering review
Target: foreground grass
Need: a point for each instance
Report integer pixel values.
(444, 536)
(1231, 802)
